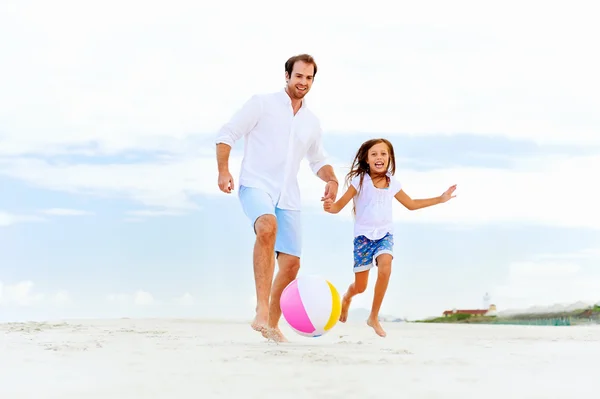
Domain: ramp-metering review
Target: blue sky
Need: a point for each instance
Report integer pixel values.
(108, 197)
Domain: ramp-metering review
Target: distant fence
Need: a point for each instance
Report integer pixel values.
(557, 321)
(593, 319)
(548, 321)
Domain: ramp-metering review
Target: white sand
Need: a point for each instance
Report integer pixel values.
(178, 359)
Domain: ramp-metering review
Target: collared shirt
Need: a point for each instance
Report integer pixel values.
(374, 206)
(275, 142)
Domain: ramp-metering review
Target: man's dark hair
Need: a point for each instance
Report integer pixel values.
(289, 64)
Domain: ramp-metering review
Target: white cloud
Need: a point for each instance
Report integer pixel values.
(521, 292)
(155, 212)
(542, 192)
(432, 68)
(143, 298)
(548, 280)
(118, 298)
(23, 294)
(537, 192)
(65, 212)
(185, 300)
(133, 220)
(139, 216)
(139, 298)
(62, 298)
(171, 185)
(8, 219)
(541, 270)
(19, 294)
(588, 253)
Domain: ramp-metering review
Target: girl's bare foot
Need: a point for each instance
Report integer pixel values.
(345, 306)
(374, 323)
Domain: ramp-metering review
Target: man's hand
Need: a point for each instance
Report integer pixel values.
(331, 189)
(226, 182)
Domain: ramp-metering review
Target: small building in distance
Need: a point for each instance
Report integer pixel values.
(473, 312)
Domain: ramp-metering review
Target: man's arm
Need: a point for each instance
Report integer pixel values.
(242, 122)
(327, 174)
(223, 151)
(317, 159)
(225, 180)
(332, 185)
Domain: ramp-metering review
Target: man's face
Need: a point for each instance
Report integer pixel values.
(301, 80)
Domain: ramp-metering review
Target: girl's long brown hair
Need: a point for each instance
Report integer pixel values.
(360, 166)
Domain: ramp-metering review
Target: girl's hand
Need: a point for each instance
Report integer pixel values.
(328, 205)
(448, 194)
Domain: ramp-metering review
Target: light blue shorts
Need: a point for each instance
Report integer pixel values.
(255, 203)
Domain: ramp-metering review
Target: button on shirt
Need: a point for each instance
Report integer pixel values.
(374, 206)
(275, 142)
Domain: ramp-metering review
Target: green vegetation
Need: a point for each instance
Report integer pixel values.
(579, 316)
(459, 318)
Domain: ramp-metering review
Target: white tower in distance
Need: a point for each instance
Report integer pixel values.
(486, 301)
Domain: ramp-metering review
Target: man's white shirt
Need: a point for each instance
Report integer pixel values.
(275, 142)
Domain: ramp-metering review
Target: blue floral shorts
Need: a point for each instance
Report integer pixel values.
(366, 251)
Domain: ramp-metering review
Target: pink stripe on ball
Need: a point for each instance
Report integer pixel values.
(293, 309)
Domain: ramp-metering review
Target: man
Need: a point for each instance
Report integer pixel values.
(279, 131)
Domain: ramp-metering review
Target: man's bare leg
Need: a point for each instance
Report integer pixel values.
(288, 270)
(384, 270)
(357, 287)
(264, 265)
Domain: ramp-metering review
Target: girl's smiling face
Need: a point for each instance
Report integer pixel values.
(378, 158)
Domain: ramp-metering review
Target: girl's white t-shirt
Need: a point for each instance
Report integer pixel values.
(374, 217)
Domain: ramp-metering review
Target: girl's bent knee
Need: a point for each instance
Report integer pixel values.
(360, 281)
(384, 270)
(360, 288)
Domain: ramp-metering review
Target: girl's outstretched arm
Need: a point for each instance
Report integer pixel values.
(335, 207)
(414, 204)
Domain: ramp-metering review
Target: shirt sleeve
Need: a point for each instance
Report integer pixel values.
(355, 182)
(242, 122)
(316, 155)
(395, 185)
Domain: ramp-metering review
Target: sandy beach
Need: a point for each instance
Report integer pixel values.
(176, 359)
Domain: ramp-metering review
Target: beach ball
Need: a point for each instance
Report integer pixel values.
(311, 305)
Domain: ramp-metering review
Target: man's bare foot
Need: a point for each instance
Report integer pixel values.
(345, 306)
(259, 323)
(274, 334)
(374, 323)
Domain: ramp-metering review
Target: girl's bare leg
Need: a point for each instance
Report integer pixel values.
(357, 287)
(384, 270)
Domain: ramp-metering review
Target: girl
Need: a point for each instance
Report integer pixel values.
(372, 187)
